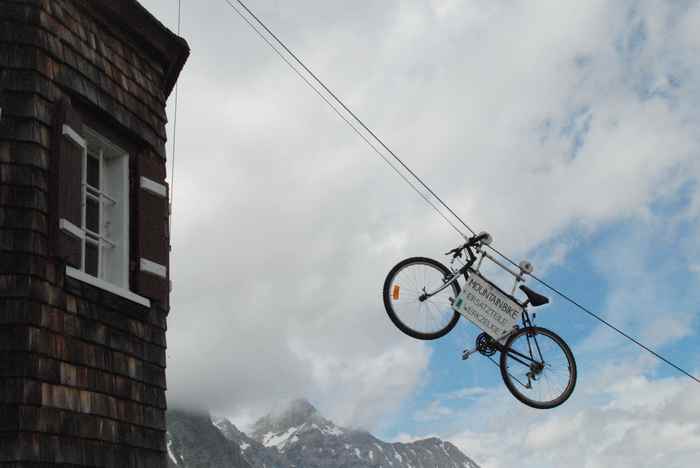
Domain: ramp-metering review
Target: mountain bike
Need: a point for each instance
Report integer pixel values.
(425, 300)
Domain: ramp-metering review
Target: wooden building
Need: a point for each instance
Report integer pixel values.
(84, 271)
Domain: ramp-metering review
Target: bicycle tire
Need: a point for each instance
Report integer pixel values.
(511, 381)
(443, 308)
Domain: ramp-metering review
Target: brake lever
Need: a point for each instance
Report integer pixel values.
(456, 252)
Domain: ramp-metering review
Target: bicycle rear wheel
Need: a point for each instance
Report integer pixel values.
(538, 367)
(406, 282)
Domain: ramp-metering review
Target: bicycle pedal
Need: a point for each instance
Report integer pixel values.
(466, 353)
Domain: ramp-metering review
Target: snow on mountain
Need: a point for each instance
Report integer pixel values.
(307, 439)
(299, 437)
(255, 453)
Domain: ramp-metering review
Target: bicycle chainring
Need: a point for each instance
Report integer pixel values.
(486, 345)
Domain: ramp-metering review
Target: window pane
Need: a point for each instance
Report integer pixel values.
(93, 171)
(91, 259)
(92, 215)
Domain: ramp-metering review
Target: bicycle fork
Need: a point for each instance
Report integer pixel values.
(427, 295)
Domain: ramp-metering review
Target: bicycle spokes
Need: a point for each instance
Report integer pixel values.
(419, 300)
(541, 369)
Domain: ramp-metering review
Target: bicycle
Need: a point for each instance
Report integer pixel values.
(419, 290)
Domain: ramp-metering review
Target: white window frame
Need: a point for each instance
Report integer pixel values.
(120, 241)
(102, 284)
(102, 198)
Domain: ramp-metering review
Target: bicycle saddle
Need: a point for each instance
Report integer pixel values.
(534, 298)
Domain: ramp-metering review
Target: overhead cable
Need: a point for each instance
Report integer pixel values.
(347, 109)
(603, 321)
(340, 114)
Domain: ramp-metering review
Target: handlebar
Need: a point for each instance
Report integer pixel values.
(478, 241)
(481, 238)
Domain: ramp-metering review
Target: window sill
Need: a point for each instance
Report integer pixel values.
(102, 284)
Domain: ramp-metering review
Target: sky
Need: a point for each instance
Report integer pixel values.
(566, 129)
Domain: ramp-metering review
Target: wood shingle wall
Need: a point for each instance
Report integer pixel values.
(82, 371)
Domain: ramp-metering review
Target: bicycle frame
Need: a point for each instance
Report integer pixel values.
(526, 323)
(532, 361)
(518, 276)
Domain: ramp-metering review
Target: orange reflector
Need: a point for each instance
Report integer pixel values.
(395, 292)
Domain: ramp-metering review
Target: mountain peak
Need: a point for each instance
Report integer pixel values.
(279, 426)
(294, 414)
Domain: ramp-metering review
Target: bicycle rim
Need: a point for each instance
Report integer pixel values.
(553, 383)
(426, 319)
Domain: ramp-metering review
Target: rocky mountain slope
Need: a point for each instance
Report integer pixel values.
(193, 442)
(258, 455)
(300, 437)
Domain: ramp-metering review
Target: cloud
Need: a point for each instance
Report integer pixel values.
(635, 422)
(537, 121)
(434, 411)
(468, 392)
(408, 438)
(359, 391)
(647, 294)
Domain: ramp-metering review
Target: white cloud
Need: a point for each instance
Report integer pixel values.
(359, 391)
(405, 438)
(637, 422)
(553, 433)
(468, 392)
(432, 412)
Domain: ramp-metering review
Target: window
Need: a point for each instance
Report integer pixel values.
(105, 210)
(97, 172)
(91, 195)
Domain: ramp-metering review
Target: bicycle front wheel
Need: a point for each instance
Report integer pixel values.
(538, 367)
(426, 319)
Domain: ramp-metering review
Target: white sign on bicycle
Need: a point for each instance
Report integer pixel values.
(487, 306)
